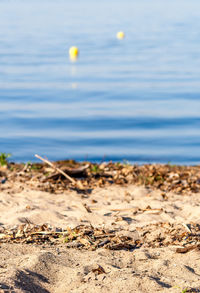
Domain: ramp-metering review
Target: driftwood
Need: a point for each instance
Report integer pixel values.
(74, 182)
(80, 171)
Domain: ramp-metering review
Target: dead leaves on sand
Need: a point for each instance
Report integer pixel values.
(88, 237)
(80, 237)
(86, 176)
(167, 234)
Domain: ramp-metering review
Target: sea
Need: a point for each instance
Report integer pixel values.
(135, 99)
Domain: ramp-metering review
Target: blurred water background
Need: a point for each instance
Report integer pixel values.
(136, 99)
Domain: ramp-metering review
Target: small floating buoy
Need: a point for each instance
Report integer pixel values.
(120, 35)
(73, 53)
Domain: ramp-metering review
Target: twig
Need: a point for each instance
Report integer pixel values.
(87, 208)
(56, 168)
(186, 249)
(186, 227)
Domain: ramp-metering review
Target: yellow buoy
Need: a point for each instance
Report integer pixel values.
(120, 35)
(73, 53)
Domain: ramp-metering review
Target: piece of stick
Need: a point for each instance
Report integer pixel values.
(87, 208)
(186, 227)
(56, 168)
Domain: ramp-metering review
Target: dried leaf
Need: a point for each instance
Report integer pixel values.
(186, 249)
(99, 270)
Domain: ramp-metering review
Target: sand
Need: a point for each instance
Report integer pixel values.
(59, 269)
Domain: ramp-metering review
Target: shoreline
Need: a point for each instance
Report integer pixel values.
(114, 161)
(67, 174)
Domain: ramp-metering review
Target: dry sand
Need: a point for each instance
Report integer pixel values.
(56, 268)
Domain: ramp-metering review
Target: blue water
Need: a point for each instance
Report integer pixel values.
(136, 99)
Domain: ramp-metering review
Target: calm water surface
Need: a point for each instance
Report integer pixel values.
(136, 99)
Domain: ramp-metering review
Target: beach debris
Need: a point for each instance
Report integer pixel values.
(74, 182)
(3, 177)
(88, 209)
(3, 180)
(85, 176)
(56, 168)
(88, 237)
(98, 270)
(75, 172)
(187, 227)
(187, 249)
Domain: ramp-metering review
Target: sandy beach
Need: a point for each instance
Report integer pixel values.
(109, 91)
(111, 237)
